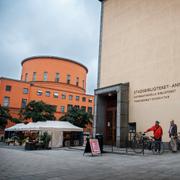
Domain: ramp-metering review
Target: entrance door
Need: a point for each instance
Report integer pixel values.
(110, 126)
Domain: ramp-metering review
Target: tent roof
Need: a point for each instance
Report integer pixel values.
(15, 127)
(45, 125)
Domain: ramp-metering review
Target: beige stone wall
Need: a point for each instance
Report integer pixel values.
(141, 45)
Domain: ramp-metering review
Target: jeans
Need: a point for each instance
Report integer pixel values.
(158, 144)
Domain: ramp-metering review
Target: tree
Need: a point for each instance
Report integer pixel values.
(38, 111)
(78, 117)
(4, 116)
(16, 120)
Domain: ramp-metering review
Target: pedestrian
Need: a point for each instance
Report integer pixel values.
(158, 132)
(173, 136)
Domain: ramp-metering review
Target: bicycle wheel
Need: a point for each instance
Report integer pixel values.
(156, 149)
(137, 146)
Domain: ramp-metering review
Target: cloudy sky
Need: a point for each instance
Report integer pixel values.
(65, 28)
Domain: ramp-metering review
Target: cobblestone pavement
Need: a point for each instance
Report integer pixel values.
(70, 164)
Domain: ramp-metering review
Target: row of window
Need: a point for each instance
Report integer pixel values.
(63, 96)
(57, 78)
(6, 102)
(48, 94)
(9, 88)
(69, 107)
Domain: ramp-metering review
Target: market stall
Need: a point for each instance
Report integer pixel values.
(54, 128)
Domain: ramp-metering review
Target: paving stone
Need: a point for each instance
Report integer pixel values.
(64, 164)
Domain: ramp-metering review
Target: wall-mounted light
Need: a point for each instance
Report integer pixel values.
(108, 124)
(109, 94)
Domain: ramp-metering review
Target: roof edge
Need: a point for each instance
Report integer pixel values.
(54, 57)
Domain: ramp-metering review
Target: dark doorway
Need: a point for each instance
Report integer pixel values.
(112, 114)
(111, 110)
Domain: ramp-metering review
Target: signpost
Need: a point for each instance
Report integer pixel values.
(92, 146)
(95, 150)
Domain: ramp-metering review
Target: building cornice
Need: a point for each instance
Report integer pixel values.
(54, 57)
(10, 79)
(56, 83)
(45, 87)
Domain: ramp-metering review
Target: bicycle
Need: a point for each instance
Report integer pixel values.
(142, 142)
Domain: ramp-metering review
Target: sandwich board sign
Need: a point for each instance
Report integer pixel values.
(95, 149)
(92, 146)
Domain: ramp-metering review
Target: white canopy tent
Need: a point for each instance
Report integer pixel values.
(55, 128)
(15, 127)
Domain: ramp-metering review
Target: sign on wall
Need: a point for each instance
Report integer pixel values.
(155, 93)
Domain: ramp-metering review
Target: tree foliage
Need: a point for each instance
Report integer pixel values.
(4, 116)
(38, 111)
(78, 117)
(16, 120)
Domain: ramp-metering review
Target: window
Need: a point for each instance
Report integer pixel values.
(62, 109)
(90, 100)
(54, 107)
(34, 76)
(6, 101)
(132, 127)
(39, 92)
(23, 103)
(25, 90)
(83, 108)
(8, 88)
(83, 84)
(77, 98)
(48, 93)
(45, 76)
(63, 95)
(69, 107)
(70, 97)
(76, 107)
(90, 110)
(56, 95)
(57, 77)
(83, 99)
(68, 79)
(77, 81)
(26, 77)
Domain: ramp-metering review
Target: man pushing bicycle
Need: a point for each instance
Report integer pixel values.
(158, 132)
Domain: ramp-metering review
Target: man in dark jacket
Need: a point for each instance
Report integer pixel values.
(173, 136)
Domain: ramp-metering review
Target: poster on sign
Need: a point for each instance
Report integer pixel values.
(95, 149)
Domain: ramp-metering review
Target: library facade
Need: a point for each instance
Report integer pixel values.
(139, 67)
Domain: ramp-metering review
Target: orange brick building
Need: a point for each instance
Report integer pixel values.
(57, 81)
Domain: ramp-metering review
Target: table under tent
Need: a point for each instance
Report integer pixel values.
(62, 133)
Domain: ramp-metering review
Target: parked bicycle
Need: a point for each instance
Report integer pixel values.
(141, 142)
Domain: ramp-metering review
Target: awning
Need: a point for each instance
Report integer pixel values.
(45, 125)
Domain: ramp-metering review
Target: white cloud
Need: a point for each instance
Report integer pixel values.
(92, 76)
